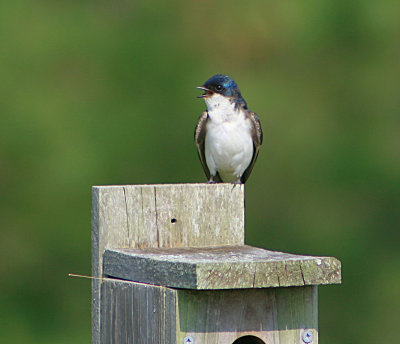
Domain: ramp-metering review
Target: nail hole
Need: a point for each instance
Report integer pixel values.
(173, 220)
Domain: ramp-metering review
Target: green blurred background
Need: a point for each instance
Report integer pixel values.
(103, 92)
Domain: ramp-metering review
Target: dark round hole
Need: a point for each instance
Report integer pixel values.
(248, 340)
(173, 220)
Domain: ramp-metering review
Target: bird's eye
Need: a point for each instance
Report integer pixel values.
(219, 87)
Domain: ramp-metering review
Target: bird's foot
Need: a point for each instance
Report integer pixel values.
(211, 180)
(237, 182)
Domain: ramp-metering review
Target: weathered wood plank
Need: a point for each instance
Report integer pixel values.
(225, 267)
(178, 215)
(137, 313)
(109, 229)
(275, 315)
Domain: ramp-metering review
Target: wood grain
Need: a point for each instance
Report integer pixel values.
(137, 313)
(275, 315)
(224, 267)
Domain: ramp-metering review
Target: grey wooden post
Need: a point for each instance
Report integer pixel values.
(177, 270)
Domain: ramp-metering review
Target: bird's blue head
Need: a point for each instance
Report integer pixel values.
(225, 86)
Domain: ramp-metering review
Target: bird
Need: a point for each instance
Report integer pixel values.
(228, 135)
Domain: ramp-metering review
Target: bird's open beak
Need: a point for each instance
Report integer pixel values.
(206, 93)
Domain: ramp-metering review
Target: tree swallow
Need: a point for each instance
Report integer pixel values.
(228, 136)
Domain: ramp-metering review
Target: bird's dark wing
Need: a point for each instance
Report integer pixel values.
(199, 137)
(257, 136)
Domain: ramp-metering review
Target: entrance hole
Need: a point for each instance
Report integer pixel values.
(248, 340)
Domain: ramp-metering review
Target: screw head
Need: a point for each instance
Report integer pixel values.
(308, 336)
(188, 340)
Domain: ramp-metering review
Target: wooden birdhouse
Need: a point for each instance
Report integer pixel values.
(172, 267)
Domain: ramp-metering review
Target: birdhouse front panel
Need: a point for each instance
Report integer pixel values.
(143, 313)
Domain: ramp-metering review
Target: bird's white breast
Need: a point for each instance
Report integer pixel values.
(228, 142)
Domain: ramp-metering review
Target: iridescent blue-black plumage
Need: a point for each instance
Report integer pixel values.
(225, 86)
